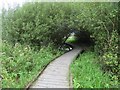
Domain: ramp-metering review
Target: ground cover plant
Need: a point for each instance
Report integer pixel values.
(86, 73)
(21, 64)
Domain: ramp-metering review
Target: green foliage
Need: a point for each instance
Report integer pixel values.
(37, 23)
(42, 23)
(87, 73)
(20, 63)
(71, 39)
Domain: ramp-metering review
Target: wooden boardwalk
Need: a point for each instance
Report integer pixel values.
(56, 75)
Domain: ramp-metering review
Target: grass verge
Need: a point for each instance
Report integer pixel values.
(21, 63)
(87, 74)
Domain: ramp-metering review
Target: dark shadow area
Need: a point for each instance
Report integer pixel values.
(83, 40)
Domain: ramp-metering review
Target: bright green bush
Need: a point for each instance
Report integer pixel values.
(71, 39)
(20, 63)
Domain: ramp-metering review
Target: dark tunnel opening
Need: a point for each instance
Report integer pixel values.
(83, 40)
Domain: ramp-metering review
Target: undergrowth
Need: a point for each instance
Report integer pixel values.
(20, 63)
(87, 73)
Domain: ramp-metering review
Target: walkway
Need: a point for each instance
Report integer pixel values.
(56, 75)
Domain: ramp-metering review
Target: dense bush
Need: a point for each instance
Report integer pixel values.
(41, 23)
(37, 23)
(20, 63)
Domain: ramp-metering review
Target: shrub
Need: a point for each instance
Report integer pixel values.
(20, 63)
